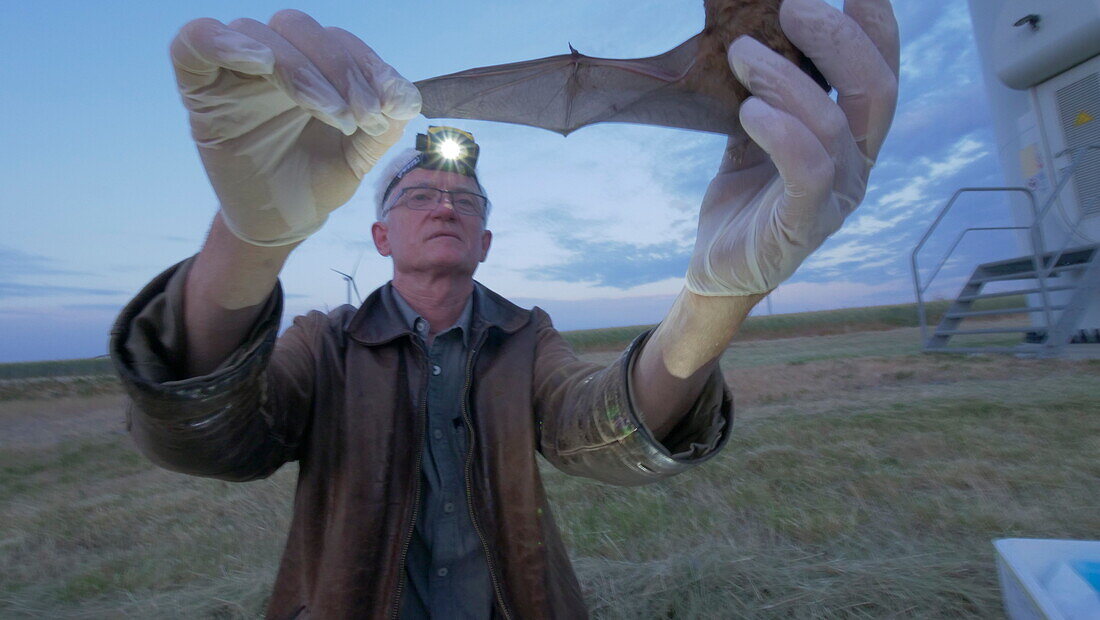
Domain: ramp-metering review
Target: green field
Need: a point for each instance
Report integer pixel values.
(863, 480)
(95, 366)
(614, 338)
(845, 320)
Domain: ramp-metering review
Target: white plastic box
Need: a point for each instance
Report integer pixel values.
(1049, 579)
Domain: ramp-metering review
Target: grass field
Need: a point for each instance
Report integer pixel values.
(863, 480)
(57, 368)
(616, 338)
(824, 322)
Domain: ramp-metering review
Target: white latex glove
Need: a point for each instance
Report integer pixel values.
(776, 199)
(287, 117)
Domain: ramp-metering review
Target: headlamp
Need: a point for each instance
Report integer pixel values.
(447, 148)
(442, 148)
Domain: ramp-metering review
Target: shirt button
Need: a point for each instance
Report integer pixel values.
(436, 370)
(441, 572)
(438, 434)
(448, 507)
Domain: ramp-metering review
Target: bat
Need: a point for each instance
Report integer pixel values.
(690, 86)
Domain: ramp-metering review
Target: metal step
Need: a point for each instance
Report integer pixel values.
(1026, 275)
(989, 330)
(1076, 256)
(971, 349)
(1024, 291)
(959, 315)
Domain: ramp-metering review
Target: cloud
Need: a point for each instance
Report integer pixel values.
(867, 224)
(626, 218)
(15, 289)
(15, 262)
(935, 41)
(617, 264)
(602, 311)
(964, 152)
(106, 307)
(875, 244)
(940, 70)
(19, 265)
(809, 296)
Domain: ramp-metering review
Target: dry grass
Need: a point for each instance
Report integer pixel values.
(863, 480)
(49, 388)
(847, 509)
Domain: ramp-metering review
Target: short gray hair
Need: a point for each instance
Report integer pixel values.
(398, 161)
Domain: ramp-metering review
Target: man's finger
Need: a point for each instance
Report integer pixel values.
(876, 19)
(297, 77)
(333, 61)
(205, 46)
(805, 167)
(400, 99)
(783, 86)
(866, 85)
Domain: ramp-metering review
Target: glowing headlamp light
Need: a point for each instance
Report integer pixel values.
(442, 148)
(447, 148)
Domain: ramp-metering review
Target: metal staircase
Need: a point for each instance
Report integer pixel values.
(1060, 320)
(1069, 275)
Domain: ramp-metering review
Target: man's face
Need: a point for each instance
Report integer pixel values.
(440, 240)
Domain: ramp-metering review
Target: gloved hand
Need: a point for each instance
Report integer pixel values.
(777, 198)
(287, 117)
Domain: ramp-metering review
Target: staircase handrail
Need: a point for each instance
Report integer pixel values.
(1036, 242)
(1042, 272)
(958, 240)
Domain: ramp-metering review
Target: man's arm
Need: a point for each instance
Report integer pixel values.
(587, 423)
(777, 197)
(225, 292)
(287, 118)
(676, 361)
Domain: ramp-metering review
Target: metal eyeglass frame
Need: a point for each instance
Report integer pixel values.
(451, 197)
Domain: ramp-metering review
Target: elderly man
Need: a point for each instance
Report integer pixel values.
(415, 419)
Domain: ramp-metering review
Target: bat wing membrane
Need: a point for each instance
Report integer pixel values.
(564, 93)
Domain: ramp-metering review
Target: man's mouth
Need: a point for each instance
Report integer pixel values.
(444, 234)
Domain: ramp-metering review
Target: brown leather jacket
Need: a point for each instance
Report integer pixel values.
(333, 393)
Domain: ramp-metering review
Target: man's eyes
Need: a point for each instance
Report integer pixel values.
(465, 200)
(422, 194)
(428, 195)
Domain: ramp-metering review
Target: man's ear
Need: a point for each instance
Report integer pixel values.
(486, 241)
(381, 235)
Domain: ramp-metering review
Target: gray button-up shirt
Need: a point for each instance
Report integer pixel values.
(446, 575)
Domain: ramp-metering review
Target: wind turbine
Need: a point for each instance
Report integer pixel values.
(350, 279)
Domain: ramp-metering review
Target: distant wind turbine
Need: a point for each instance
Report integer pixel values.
(350, 279)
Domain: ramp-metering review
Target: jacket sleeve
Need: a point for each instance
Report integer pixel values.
(240, 422)
(588, 426)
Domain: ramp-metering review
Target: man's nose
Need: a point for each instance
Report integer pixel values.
(445, 206)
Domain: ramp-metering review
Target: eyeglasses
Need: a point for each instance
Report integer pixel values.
(426, 198)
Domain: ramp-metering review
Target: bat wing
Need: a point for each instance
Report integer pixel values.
(564, 93)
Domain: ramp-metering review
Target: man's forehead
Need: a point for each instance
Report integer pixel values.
(437, 178)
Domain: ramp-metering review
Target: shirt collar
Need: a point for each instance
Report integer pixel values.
(378, 320)
(419, 325)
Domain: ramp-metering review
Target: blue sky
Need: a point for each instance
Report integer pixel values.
(101, 188)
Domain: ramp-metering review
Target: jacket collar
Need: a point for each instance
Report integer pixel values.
(379, 320)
